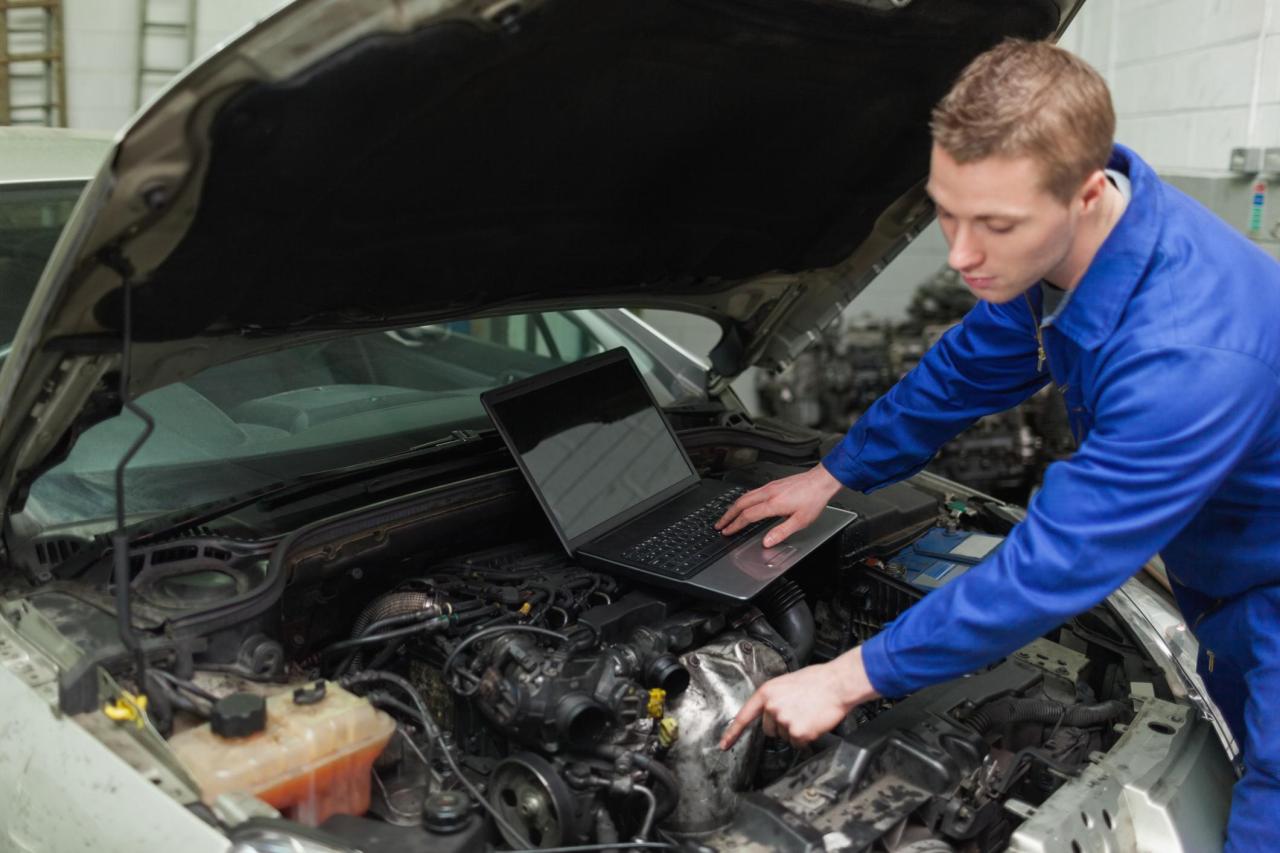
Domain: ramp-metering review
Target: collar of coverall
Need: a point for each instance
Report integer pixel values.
(1093, 311)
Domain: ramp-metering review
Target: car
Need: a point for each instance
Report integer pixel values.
(271, 580)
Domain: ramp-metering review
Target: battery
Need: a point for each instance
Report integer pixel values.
(941, 556)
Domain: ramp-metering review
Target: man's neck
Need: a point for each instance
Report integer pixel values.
(1089, 239)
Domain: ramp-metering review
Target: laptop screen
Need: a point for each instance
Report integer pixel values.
(593, 443)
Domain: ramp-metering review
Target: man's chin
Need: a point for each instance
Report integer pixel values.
(995, 297)
(997, 294)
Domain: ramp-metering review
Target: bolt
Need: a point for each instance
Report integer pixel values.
(156, 198)
(695, 661)
(357, 573)
(746, 647)
(530, 803)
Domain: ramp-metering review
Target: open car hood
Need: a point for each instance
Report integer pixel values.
(357, 164)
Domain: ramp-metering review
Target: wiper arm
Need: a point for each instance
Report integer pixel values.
(310, 483)
(273, 495)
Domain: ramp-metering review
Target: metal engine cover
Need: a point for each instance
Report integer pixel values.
(722, 676)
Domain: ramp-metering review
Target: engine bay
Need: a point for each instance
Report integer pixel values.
(432, 672)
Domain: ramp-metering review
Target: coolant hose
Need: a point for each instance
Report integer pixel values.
(1008, 710)
(783, 605)
(656, 770)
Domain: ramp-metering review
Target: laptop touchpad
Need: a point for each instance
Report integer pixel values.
(763, 563)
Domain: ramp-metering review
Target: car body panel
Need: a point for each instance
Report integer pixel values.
(75, 783)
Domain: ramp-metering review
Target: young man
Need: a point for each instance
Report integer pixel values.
(1161, 326)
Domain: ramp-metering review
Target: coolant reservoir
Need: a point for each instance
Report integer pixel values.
(312, 758)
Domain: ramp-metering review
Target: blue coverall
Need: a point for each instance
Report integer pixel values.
(1168, 354)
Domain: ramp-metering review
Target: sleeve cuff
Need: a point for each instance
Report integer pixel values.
(881, 672)
(843, 467)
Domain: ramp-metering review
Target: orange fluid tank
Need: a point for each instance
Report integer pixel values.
(312, 759)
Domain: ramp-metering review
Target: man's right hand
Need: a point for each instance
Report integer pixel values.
(797, 499)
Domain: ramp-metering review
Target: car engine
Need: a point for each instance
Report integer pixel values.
(504, 696)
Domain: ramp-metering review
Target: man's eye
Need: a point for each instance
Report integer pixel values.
(999, 229)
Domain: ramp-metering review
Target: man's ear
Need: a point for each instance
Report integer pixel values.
(1092, 190)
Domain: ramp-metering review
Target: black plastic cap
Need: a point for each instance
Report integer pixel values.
(239, 715)
(446, 812)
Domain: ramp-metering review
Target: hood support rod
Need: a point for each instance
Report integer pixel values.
(115, 259)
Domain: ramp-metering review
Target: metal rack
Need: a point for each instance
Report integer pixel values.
(33, 79)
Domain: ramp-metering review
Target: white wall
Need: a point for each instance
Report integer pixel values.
(1191, 79)
(102, 49)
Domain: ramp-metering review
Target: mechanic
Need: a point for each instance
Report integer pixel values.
(1161, 326)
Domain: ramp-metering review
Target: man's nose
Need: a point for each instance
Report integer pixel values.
(965, 252)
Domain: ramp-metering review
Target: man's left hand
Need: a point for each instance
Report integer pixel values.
(803, 705)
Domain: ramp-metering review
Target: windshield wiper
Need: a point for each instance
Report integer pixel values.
(325, 480)
(272, 496)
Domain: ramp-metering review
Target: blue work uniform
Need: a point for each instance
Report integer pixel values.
(1168, 355)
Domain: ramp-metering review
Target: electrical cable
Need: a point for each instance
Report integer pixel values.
(433, 731)
(191, 687)
(357, 642)
(426, 762)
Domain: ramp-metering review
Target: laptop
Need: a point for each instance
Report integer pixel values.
(622, 494)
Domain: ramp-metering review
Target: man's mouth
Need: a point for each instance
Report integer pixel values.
(980, 282)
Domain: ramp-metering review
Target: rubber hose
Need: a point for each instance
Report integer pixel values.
(159, 704)
(784, 606)
(1006, 711)
(656, 770)
(606, 830)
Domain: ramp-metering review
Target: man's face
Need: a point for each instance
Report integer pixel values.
(1006, 232)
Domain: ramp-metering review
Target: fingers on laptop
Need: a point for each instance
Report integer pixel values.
(747, 509)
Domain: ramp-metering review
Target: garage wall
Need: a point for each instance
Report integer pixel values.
(102, 49)
(1191, 79)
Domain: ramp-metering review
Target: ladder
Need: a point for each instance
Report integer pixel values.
(166, 44)
(33, 75)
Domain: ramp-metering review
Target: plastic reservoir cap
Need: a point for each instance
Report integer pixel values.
(239, 715)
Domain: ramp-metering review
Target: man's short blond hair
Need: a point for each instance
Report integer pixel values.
(1030, 99)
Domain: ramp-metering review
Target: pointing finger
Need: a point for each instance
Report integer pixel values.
(745, 717)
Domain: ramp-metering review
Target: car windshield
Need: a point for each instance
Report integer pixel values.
(306, 408)
(320, 406)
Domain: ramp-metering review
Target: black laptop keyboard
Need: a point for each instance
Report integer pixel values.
(682, 548)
